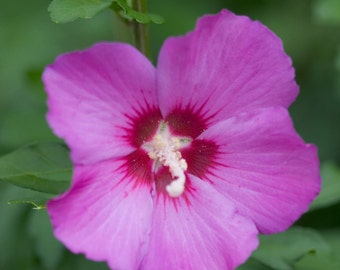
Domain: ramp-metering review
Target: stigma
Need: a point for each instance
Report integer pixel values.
(164, 150)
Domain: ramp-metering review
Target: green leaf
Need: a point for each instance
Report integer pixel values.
(317, 262)
(62, 11)
(326, 261)
(131, 14)
(332, 237)
(330, 192)
(37, 204)
(281, 251)
(253, 264)
(43, 167)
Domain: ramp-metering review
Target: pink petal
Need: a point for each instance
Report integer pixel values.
(227, 65)
(265, 167)
(104, 215)
(94, 94)
(206, 233)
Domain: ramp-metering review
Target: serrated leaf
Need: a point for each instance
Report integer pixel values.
(43, 167)
(140, 17)
(330, 191)
(62, 11)
(280, 251)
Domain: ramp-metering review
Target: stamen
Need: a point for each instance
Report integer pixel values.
(166, 152)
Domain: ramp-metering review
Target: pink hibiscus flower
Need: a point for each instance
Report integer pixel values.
(180, 167)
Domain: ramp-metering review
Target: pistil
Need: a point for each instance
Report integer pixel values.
(165, 149)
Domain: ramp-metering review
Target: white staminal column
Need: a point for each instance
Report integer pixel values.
(165, 149)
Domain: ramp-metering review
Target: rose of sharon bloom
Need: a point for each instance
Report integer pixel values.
(180, 166)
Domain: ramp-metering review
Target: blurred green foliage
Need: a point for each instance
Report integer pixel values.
(62, 11)
(29, 40)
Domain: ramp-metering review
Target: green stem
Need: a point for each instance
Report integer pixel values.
(141, 30)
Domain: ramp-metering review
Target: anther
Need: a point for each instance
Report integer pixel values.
(166, 152)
